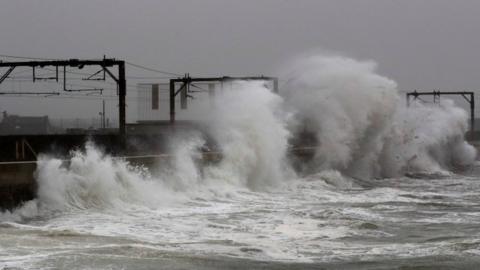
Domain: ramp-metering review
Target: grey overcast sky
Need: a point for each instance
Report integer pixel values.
(421, 44)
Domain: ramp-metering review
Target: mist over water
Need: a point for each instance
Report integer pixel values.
(252, 204)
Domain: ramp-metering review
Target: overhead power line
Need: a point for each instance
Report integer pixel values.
(129, 63)
(152, 69)
(24, 57)
(47, 95)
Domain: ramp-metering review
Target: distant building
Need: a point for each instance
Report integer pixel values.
(23, 125)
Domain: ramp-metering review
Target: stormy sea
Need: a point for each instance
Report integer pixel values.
(386, 187)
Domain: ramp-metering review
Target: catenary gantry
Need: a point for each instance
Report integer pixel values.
(467, 95)
(188, 81)
(104, 64)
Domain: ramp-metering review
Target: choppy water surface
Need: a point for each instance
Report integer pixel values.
(249, 210)
(322, 220)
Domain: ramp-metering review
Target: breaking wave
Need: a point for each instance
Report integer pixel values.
(361, 127)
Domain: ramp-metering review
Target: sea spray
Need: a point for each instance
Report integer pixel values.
(248, 124)
(91, 179)
(183, 172)
(427, 138)
(347, 106)
(108, 214)
(363, 127)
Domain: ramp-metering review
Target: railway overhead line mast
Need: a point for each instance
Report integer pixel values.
(104, 64)
(187, 82)
(468, 96)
